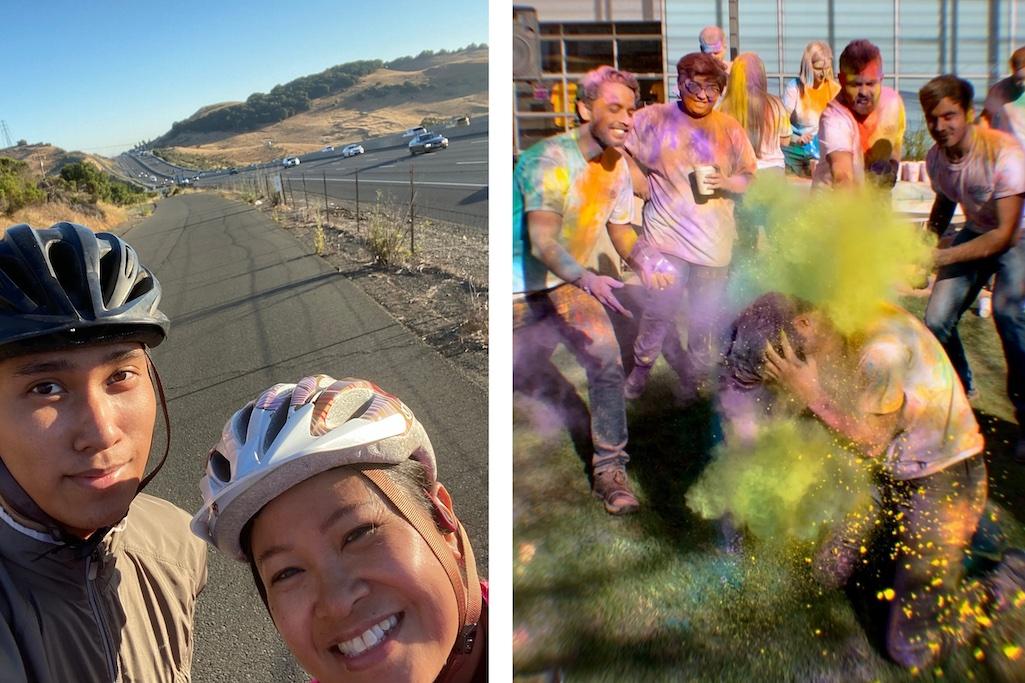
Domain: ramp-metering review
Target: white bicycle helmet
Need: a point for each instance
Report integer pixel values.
(293, 432)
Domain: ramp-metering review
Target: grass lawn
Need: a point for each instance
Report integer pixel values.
(652, 597)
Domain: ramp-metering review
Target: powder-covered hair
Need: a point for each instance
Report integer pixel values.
(591, 83)
(761, 323)
(748, 100)
(701, 64)
(806, 74)
(859, 54)
(947, 85)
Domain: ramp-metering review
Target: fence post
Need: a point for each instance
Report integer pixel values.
(306, 197)
(323, 176)
(412, 194)
(358, 231)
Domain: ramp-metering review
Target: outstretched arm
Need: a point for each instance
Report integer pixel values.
(543, 228)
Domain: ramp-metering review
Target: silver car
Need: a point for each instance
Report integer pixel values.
(427, 142)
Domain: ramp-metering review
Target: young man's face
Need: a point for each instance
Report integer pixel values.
(862, 89)
(610, 114)
(947, 123)
(698, 94)
(75, 430)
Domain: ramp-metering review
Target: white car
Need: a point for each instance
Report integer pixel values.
(290, 161)
(352, 150)
(329, 148)
(413, 132)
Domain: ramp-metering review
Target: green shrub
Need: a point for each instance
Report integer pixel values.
(18, 188)
(386, 238)
(916, 143)
(85, 177)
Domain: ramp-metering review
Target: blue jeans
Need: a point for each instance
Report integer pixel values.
(570, 316)
(956, 287)
(700, 291)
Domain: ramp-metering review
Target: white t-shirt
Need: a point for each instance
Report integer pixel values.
(838, 132)
(667, 144)
(875, 140)
(993, 168)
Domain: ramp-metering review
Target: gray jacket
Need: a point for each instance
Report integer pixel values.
(122, 614)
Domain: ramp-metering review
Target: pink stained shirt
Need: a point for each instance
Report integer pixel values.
(872, 142)
(993, 168)
(667, 144)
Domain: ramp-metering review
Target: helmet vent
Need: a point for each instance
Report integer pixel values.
(24, 284)
(67, 267)
(242, 422)
(277, 421)
(220, 467)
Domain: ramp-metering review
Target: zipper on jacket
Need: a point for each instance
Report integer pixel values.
(91, 571)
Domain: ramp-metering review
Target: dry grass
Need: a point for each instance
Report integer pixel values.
(106, 217)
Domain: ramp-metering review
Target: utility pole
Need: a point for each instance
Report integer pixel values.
(7, 134)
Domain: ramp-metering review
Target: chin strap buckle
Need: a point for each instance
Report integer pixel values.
(465, 640)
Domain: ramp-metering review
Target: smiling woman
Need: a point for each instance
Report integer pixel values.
(328, 489)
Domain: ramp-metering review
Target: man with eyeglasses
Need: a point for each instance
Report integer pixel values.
(691, 163)
(862, 129)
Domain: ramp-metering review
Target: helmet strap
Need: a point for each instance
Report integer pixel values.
(167, 422)
(468, 594)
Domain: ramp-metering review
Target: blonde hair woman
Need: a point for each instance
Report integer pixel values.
(760, 113)
(805, 97)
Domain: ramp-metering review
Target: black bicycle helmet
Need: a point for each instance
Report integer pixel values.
(66, 285)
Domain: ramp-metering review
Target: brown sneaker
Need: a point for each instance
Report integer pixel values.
(614, 490)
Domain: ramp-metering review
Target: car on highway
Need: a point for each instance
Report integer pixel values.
(414, 131)
(232, 171)
(329, 148)
(352, 150)
(290, 161)
(427, 142)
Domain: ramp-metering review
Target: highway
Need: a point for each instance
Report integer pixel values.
(449, 185)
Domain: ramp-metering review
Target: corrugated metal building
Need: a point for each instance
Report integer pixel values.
(918, 39)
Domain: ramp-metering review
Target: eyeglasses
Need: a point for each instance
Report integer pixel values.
(711, 90)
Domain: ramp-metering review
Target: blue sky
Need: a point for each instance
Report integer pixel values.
(101, 76)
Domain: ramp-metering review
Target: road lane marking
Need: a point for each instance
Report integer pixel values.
(461, 163)
(477, 142)
(406, 182)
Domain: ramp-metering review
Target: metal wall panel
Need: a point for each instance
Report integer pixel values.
(597, 10)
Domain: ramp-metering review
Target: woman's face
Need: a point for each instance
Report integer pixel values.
(353, 588)
(818, 68)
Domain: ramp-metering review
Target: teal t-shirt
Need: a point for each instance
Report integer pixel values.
(554, 176)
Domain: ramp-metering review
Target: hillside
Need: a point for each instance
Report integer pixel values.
(44, 159)
(389, 98)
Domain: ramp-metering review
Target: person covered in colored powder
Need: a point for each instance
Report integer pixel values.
(692, 163)
(712, 41)
(805, 98)
(567, 189)
(902, 407)
(1005, 103)
(759, 112)
(862, 129)
(983, 170)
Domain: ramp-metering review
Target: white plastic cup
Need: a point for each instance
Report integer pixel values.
(701, 174)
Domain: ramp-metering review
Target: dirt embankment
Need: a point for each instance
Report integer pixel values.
(385, 101)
